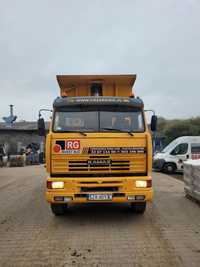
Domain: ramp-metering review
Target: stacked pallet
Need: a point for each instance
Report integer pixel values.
(192, 178)
(16, 161)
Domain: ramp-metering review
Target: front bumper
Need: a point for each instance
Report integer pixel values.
(77, 189)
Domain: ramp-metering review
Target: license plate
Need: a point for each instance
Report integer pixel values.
(99, 197)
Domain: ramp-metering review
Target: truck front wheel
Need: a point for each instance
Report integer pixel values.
(58, 209)
(138, 207)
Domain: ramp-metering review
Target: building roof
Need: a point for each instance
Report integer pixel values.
(21, 126)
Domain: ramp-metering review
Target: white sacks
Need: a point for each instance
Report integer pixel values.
(192, 178)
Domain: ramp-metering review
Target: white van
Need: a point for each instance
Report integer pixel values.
(181, 149)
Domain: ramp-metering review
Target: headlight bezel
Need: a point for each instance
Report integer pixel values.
(57, 185)
(141, 184)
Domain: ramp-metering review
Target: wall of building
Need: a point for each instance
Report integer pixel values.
(15, 140)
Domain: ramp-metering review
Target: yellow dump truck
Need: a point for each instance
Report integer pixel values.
(99, 148)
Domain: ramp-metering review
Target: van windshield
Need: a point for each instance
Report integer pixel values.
(170, 147)
(98, 121)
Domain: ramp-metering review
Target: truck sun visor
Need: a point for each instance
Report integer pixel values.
(92, 100)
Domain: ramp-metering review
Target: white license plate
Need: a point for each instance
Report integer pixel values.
(99, 197)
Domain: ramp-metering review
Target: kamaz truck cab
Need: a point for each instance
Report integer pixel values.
(99, 148)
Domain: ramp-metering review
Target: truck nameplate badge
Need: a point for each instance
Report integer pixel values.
(99, 162)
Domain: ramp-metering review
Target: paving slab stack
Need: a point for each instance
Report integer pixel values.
(192, 178)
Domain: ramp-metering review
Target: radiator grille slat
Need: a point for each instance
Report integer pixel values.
(100, 164)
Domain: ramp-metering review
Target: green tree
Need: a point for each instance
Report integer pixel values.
(172, 129)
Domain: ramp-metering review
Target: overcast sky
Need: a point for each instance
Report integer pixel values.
(157, 40)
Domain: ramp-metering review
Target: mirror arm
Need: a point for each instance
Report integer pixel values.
(150, 110)
(44, 109)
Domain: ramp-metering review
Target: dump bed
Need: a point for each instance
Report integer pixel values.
(90, 85)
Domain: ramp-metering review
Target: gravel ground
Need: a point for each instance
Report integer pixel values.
(168, 234)
(178, 176)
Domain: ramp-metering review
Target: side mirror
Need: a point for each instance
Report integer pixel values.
(41, 127)
(154, 123)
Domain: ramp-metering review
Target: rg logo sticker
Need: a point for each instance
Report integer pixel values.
(67, 146)
(72, 145)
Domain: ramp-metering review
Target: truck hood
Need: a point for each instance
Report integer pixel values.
(98, 154)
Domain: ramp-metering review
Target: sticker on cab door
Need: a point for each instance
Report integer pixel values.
(67, 146)
(114, 150)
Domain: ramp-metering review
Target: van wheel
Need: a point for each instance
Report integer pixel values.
(169, 168)
(138, 207)
(58, 209)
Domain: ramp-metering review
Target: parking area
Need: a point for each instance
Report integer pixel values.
(168, 234)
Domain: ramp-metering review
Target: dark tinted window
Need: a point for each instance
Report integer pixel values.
(124, 121)
(181, 149)
(195, 148)
(76, 121)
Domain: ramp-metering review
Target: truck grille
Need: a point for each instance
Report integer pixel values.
(94, 165)
(99, 164)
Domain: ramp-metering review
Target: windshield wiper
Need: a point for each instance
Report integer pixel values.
(84, 134)
(119, 130)
(71, 131)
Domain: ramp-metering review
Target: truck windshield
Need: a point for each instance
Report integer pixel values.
(98, 121)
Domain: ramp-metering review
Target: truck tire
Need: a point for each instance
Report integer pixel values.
(169, 168)
(138, 207)
(58, 209)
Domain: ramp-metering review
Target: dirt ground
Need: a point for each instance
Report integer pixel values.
(168, 234)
